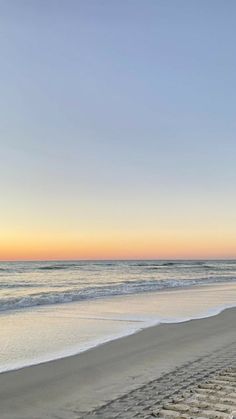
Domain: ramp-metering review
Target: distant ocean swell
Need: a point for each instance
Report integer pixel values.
(19, 267)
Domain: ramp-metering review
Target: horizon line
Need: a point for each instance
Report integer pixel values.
(116, 260)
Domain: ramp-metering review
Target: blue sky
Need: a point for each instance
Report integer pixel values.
(118, 115)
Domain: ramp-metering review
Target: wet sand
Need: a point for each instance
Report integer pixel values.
(135, 376)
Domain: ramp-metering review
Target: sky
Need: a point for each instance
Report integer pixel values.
(117, 129)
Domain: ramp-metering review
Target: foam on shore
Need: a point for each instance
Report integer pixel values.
(70, 329)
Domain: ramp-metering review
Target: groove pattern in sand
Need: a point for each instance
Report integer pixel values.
(205, 388)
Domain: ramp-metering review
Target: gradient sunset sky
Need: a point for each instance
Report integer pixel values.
(117, 129)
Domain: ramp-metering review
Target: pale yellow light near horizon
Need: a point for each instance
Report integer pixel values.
(116, 245)
(144, 228)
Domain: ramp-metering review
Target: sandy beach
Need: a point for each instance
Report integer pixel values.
(124, 378)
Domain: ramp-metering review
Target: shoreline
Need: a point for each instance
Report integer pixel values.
(82, 382)
(211, 313)
(133, 325)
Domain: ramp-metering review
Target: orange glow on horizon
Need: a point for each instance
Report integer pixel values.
(117, 246)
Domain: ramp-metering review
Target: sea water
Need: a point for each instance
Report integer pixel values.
(52, 309)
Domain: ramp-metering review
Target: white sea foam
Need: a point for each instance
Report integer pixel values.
(64, 330)
(29, 284)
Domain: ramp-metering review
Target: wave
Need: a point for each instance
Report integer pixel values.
(180, 264)
(98, 292)
(18, 285)
(55, 267)
(155, 265)
(80, 265)
(4, 270)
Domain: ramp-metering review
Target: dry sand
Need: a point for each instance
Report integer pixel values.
(183, 370)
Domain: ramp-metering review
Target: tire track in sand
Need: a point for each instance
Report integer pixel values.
(204, 388)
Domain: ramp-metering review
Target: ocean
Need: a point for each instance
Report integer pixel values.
(53, 309)
(28, 284)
